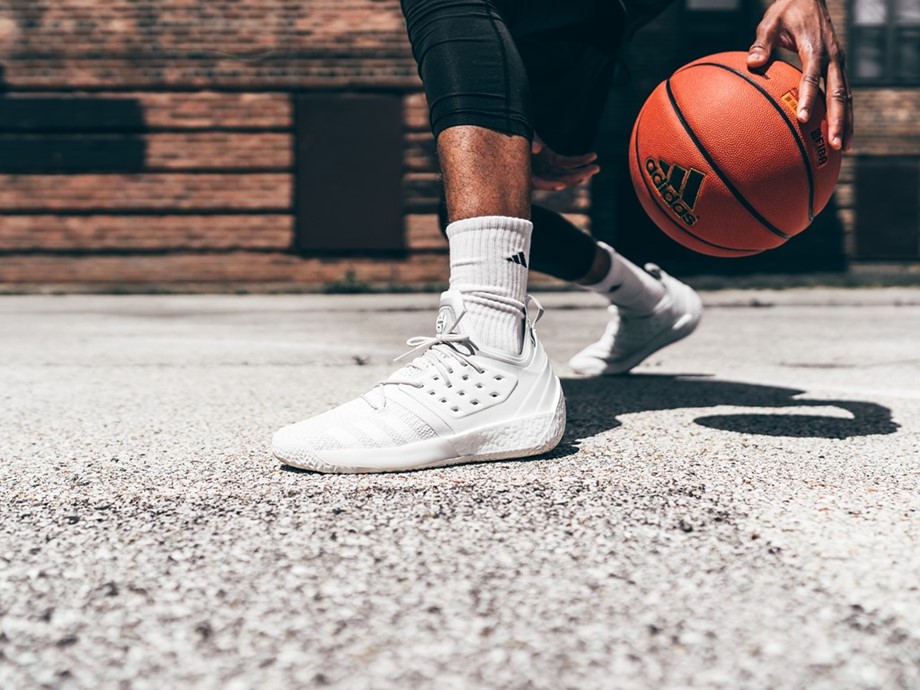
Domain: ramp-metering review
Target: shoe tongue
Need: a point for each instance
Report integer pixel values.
(450, 310)
(446, 317)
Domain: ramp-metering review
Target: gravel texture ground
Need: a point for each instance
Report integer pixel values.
(741, 512)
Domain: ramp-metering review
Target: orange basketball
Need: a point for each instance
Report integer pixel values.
(720, 161)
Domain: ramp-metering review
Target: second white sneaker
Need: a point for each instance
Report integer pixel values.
(455, 402)
(629, 339)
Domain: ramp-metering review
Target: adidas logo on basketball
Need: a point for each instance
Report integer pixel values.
(678, 187)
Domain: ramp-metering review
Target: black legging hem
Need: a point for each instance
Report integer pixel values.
(496, 123)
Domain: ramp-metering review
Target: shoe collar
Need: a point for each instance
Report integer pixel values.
(452, 308)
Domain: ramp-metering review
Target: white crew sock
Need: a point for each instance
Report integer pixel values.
(627, 286)
(488, 265)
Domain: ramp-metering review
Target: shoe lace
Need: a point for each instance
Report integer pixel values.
(442, 351)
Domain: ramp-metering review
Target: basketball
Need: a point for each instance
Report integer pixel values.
(720, 161)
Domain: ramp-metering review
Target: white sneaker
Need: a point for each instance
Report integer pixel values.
(629, 339)
(454, 403)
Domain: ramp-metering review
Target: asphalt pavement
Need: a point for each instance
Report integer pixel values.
(743, 511)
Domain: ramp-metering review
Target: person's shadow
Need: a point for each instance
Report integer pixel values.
(595, 405)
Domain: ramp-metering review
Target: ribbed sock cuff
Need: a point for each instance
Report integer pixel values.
(628, 286)
(489, 256)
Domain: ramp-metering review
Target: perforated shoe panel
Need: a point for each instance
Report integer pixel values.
(467, 390)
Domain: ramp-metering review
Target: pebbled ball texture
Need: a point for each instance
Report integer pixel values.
(720, 161)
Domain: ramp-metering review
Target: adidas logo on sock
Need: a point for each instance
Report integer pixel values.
(518, 258)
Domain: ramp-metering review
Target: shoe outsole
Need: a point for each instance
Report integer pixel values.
(487, 445)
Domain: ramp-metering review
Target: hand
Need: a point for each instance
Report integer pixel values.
(804, 26)
(555, 172)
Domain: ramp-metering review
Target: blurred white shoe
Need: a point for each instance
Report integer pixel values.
(453, 403)
(629, 339)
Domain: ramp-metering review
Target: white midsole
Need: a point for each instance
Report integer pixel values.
(521, 437)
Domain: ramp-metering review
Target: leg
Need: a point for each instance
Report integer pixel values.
(649, 309)
(485, 173)
(478, 95)
(570, 83)
(482, 388)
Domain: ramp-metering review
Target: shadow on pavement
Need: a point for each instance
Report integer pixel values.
(594, 406)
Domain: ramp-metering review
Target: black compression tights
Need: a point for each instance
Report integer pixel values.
(469, 64)
(474, 75)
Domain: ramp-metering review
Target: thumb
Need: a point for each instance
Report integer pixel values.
(759, 52)
(537, 144)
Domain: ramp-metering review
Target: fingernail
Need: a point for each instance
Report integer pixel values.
(836, 142)
(803, 114)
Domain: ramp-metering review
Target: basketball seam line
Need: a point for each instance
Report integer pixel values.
(715, 168)
(795, 134)
(667, 215)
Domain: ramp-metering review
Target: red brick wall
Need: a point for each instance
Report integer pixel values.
(887, 124)
(213, 83)
(245, 44)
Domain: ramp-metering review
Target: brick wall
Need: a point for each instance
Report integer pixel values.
(263, 45)
(209, 85)
(152, 141)
(149, 142)
(887, 124)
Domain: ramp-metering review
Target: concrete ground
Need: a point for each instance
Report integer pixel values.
(742, 512)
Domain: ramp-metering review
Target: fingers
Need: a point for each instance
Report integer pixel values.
(557, 180)
(839, 106)
(806, 27)
(537, 144)
(810, 86)
(547, 185)
(555, 172)
(764, 41)
(571, 162)
(551, 159)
